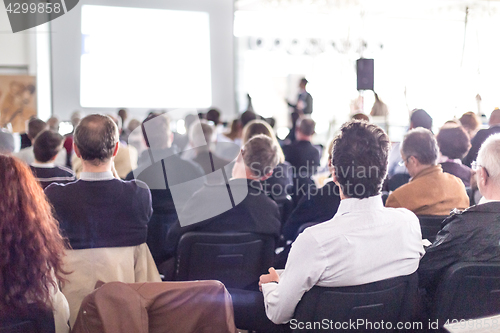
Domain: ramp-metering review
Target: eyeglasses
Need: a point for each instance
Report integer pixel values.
(476, 166)
(402, 163)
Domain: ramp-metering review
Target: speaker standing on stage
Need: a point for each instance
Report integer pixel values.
(304, 101)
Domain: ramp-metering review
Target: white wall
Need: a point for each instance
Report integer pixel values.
(15, 48)
(66, 50)
(28, 48)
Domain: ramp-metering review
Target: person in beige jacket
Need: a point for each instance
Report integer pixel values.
(430, 190)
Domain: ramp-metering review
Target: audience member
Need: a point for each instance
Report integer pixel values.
(228, 143)
(454, 144)
(482, 135)
(187, 151)
(25, 140)
(127, 156)
(123, 114)
(35, 127)
(234, 134)
(290, 138)
(99, 210)
(213, 166)
(161, 168)
(189, 119)
(360, 116)
(302, 153)
(135, 138)
(280, 183)
(471, 123)
(31, 247)
(319, 205)
(213, 115)
(430, 191)
(303, 157)
(248, 208)
(7, 145)
(68, 141)
(125, 160)
(53, 124)
(247, 117)
(47, 146)
(471, 235)
(418, 118)
(124, 121)
(363, 243)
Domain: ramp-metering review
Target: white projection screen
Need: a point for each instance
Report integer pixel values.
(145, 58)
(143, 55)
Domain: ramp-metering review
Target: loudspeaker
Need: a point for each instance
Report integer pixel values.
(364, 70)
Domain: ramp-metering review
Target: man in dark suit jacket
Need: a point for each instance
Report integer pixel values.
(304, 103)
(303, 156)
(45, 148)
(241, 205)
(172, 180)
(99, 209)
(302, 153)
(319, 205)
(481, 136)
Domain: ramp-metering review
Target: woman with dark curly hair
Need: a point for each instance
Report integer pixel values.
(31, 247)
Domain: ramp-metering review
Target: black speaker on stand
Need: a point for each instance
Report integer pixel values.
(364, 71)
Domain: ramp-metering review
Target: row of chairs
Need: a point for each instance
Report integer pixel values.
(468, 290)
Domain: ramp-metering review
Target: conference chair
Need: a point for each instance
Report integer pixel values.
(157, 307)
(467, 290)
(430, 225)
(305, 226)
(285, 206)
(392, 300)
(107, 264)
(235, 259)
(35, 320)
(398, 180)
(158, 227)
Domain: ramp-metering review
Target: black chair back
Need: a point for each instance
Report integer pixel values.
(398, 180)
(468, 291)
(34, 320)
(392, 300)
(285, 206)
(235, 259)
(304, 227)
(430, 226)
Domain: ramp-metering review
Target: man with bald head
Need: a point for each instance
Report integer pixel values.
(481, 136)
(100, 210)
(472, 235)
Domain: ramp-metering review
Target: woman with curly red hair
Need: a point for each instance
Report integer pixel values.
(31, 247)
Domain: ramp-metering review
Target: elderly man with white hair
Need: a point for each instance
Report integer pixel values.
(474, 234)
